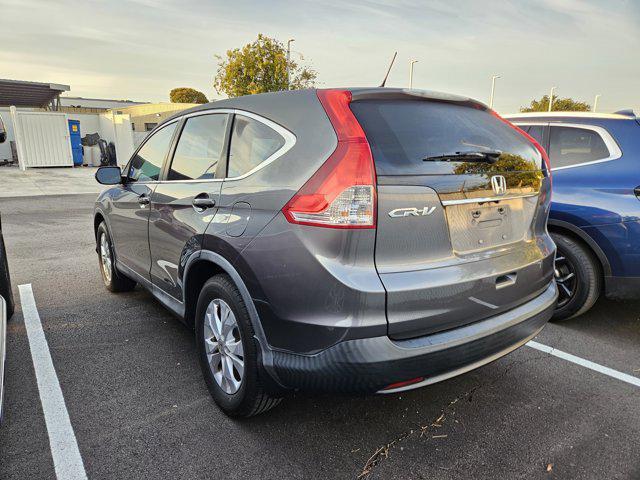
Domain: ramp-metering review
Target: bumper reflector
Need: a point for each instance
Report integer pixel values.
(403, 384)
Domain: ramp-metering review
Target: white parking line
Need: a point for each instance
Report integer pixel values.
(586, 363)
(64, 447)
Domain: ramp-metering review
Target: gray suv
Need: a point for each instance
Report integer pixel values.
(354, 240)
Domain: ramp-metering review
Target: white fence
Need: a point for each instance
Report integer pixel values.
(42, 139)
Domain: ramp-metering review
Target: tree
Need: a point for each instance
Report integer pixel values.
(258, 67)
(559, 105)
(187, 95)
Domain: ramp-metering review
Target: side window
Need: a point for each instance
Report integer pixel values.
(570, 146)
(252, 142)
(146, 164)
(199, 148)
(537, 132)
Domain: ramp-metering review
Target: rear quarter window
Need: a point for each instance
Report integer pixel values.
(402, 133)
(252, 142)
(570, 146)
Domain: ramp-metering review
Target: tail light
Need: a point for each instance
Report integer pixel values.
(342, 193)
(535, 143)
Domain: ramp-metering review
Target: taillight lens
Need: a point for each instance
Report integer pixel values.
(342, 193)
(535, 143)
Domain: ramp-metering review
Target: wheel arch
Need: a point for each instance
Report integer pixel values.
(98, 218)
(198, 269)
(568, 229)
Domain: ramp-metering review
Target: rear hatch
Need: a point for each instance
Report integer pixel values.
(461, 205)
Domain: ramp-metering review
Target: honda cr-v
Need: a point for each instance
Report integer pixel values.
(356, 240)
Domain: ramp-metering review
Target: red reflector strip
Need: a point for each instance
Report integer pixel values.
(404, 384)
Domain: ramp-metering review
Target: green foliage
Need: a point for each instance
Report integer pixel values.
(260, 67)
(559, 105)
(519, 172)
(187, 95)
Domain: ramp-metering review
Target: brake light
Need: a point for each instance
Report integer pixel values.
(342, 193)
(535, 143)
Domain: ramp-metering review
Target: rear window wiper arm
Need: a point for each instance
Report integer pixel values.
(489, 156)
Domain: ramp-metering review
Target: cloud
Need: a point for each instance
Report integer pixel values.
(141, 49)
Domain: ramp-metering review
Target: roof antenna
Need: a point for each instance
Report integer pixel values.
(389, 70)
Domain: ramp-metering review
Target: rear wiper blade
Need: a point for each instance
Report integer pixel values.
(489, 156)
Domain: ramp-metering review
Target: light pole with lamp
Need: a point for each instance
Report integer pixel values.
(493, 90)
(411, 62)
(288, 60)
(595, 102)
(551, 98)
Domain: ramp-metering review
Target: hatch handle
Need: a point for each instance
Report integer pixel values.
(506, 280)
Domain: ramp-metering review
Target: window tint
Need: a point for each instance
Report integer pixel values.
(199, 148)
(537, 132)
(570, 146)
(402, 133)
(147, 163)
(252, 142)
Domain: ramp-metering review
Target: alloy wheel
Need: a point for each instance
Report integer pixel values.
(565, 274)
(223, 346)
(105, 257)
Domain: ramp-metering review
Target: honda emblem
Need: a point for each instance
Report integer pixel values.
(499, 184)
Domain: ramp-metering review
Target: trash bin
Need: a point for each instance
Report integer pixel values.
(76, 142)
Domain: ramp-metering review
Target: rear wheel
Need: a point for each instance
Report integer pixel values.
(112, 278)
(227, 350)
(578, 276)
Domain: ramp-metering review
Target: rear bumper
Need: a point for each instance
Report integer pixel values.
(369, 365)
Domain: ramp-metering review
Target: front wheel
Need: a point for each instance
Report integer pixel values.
(578, 276)
(112, 278)
(227, 350)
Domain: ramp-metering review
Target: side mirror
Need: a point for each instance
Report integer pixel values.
(109, 175)
(3, 131)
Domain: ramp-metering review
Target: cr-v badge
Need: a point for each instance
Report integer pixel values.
(411, 212)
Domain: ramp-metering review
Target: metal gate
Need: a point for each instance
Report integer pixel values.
(42, 139)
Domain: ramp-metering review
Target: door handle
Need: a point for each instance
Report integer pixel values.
(144, 200)
(203, 201)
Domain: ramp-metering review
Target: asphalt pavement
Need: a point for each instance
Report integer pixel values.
(139, 408)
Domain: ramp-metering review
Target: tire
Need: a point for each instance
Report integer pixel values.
(244, 395)
(579, 292)
(5, 280)
(114, 280)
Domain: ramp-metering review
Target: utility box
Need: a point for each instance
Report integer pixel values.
(76, 142)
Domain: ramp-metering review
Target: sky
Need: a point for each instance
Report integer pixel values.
(141, 49)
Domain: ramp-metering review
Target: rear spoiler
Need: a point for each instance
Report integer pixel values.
(405, 93)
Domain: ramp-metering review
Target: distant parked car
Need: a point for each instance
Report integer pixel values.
(6, 296)
(595, 209)
(365, 240)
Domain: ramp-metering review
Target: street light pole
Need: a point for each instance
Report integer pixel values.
(551, 98)
(595, 102)
(493, 89)
(288, 60)
(411, 62)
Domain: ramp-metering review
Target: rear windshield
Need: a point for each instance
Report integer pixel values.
(404, 132)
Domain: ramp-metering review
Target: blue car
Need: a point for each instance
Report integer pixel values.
(595, 209)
